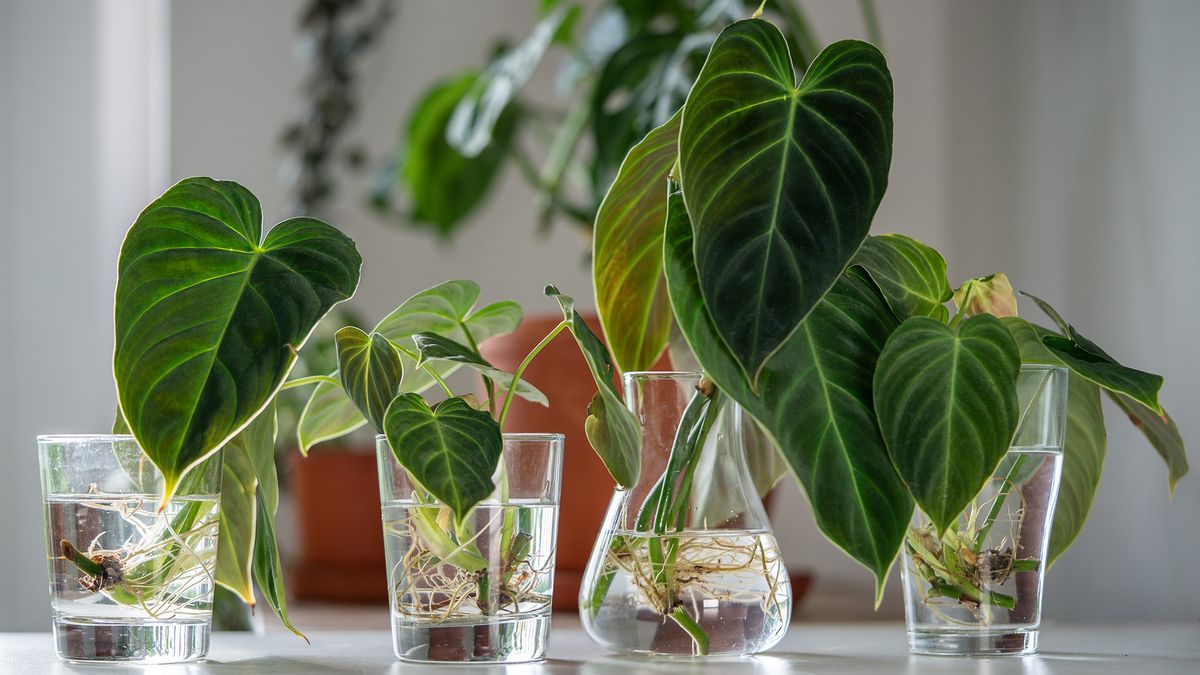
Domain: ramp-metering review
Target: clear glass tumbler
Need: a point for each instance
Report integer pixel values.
(128, 582)
(686, 563)
(977, 588)
(481, 591)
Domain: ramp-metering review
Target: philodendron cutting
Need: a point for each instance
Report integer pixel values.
(210, 315)
(468, 525)
(740, 227)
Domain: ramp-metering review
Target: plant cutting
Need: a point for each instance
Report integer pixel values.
(687, 562)
(759, 195)
(210, 316)
(469, 511)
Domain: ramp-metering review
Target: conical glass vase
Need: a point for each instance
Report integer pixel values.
(686, 563)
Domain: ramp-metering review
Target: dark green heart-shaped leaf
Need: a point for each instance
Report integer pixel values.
(631, 293)
(1161, 431)
(1085, 357)
(947, 404)
(442, 185)
(451, 451)
(209, 318)
(447, 309)
(910, 275)
(781, 180)
(611, 428)
(815, 400)
(370, 371)
(434, 347)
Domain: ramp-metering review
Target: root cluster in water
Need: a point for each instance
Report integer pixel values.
(428, 588)
(160, 568)
(700, 567)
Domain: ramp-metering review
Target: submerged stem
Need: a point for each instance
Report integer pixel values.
(998, 502)
(688, 624)
(77, 558)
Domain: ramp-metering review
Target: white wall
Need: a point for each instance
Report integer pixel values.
(1074, 164)
(76, 163)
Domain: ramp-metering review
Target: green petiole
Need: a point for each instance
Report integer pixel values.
(687, 623)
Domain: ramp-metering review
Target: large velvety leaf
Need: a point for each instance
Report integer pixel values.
(910, 275)
(209, 316)
(447, 309)
(611, 428)
(815, 400)
(472, 124)
(947, 404)
(434, 347)
(1086, 358)
(451, 451)
(631, 294)
(369, 368)
(781, 180)
(1083, 460)
(444, 186)
(1161, 431)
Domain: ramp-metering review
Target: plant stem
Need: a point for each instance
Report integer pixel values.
(311, 379)
(488, 385)
(998, 502)
(76, 557)
(416, 358)
(525, 364)
(687, 623)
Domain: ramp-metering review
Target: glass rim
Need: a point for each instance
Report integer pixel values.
(82, 438)
(1046, 367)
(662, 374)
(514, 436)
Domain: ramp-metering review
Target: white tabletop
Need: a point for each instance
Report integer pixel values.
(808, 648)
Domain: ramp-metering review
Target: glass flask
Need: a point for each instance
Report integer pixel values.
(479, 591)
(686, 563)
(128, 582)
(977, 588)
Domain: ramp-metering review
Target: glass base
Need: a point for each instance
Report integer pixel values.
(500, 641)
(142, 642)
(978, 643)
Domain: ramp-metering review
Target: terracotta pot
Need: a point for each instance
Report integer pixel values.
(339, 553)
(560, 372)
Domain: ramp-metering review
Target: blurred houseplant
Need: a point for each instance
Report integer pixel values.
(839, 343)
